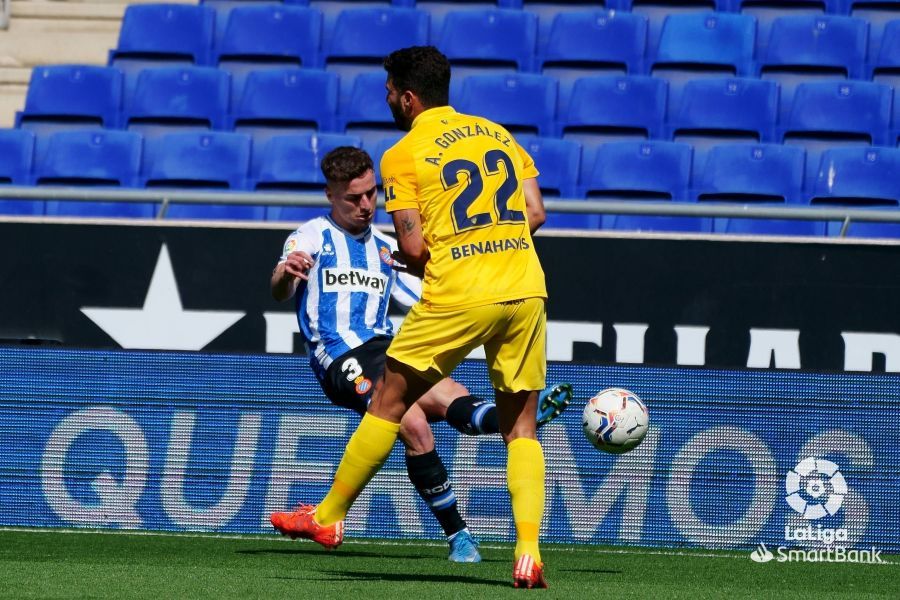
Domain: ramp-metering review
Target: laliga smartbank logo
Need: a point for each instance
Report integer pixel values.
(815, 488)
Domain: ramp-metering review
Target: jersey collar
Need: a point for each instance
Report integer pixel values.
(355, 236)
(433, 114)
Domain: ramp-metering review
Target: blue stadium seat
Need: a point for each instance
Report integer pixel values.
(597, 38)
(292, 162)
(516, 101)
(559, 164)
(296, 98)
(641, 169)
(860, 177)
(867, 176)
(91, 157)
(489, 37)
(831, 6)
(272, 33)
(817, 42)
(366, 104)
(841, 108)
(218, 160)
(708, 40)
(173, 96)
(733, 105)
(72, 94)
(376, 150)
(761, 175)
(94, 158)
(166, 31)
(370, 34)
(888, 59)
(750, 172)
(16, 157)
(611, 102)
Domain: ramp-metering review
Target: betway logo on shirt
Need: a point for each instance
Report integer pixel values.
(353, 280)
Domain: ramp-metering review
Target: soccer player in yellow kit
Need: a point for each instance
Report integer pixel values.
(465, 201)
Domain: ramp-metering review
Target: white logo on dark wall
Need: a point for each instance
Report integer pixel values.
(162, 323)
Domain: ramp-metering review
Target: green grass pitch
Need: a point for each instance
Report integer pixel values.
(80, 564)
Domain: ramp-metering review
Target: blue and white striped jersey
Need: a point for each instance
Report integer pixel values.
(345, 302)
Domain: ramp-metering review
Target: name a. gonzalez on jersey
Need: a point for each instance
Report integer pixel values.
(489, 247)
(353, 280)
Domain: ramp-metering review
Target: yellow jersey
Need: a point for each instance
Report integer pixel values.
(464, 175)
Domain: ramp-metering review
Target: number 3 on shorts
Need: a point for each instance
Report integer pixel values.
(351, 368)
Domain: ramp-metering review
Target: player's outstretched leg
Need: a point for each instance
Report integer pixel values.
(472, 415)
(301, 523)
(552, 402)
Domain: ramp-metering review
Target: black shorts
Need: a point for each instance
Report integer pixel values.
(350, 379)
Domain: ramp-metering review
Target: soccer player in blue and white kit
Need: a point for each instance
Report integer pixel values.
(346, 276)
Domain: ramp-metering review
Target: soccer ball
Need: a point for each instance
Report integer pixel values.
(615, 421)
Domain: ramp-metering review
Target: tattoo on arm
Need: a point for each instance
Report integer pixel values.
(408, 225)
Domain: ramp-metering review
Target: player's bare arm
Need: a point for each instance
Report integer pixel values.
(413, 252)
(534, 204)
(288, 274)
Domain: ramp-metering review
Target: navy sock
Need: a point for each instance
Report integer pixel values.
(473, 416)
(429, 477)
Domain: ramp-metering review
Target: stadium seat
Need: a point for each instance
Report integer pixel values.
(621, 103)
(94, 158)
(72, 94)
(272, 33)
(166, 32)
(817, 42)
(888, 58)
(596, 38)
(370, 34)
(295, 98)
(516, 101)
(708, 40)
(16, 157)
(366, 104)
(292, 163)
(865, 176)
(727, 105)
(860, 177)
(641, 169)
(559, 164)
(91, 157)
(489, 37)
(192, 159)
(768, 174)
(841, 109)
(179, 96)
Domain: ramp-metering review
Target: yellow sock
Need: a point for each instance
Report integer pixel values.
(366, 451)
(525, 480)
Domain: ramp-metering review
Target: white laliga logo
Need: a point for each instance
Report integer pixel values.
(816, 473)
(162, 323)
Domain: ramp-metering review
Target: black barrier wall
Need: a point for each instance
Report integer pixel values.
(723, 303)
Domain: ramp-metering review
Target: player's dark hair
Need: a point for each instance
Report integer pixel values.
(345, 163)
(424, 71)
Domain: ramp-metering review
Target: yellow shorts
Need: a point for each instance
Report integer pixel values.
(513, 334)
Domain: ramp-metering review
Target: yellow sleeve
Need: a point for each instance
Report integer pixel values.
(529, 171)
(398, 174)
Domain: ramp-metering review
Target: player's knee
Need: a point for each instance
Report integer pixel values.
(416, 434)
